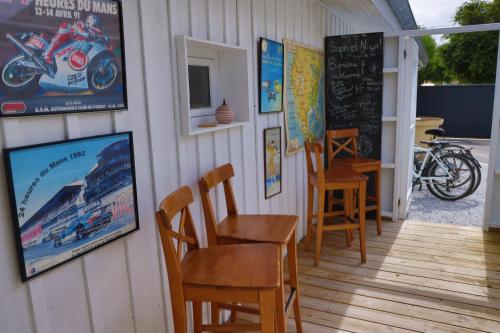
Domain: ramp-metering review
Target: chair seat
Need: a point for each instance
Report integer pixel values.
(357, 162)
(277, 229)
(233, 266)
(341, 174)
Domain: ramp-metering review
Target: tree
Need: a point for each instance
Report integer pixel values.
(471, 57)
(435, 70)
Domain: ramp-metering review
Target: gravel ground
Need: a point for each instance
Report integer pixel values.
(467, 211)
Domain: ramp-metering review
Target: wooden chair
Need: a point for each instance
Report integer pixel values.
(225, 274)
(346, 140)
(236, 228)
(335, 178)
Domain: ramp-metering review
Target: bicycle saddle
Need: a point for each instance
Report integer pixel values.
(435, 132)
(434, 143)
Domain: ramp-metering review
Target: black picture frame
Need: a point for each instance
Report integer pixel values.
(269, 166)
(77, 101)
(98, 207)
(265, 41)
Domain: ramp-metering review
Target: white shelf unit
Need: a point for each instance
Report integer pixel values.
(389, 118)
(389, 124)
(229, 79)
(389, 70)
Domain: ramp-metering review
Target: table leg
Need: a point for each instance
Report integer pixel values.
(280, 296)
(294, 279)
(378, 181)
(362, 220)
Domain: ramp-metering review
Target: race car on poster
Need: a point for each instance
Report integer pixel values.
(79, 57)
(84, 227)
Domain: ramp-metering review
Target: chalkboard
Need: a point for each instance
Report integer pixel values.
(353, 88)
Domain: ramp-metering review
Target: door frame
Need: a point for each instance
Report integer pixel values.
(491, 189)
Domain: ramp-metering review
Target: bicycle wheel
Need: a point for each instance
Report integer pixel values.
(457, 149)
(461, 183)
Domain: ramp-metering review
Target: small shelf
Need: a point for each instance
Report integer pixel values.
(389, 118)
(228, 69)
(391, 70)
(202, 130)
(386, 213)
(388, 165)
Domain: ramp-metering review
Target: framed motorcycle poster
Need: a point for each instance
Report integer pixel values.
(61, 57)
(70, 197)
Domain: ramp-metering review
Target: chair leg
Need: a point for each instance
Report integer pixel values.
(233, 316)
(266, 310)
(378, 181)
(310, 207)
(215, 313)
(197, 316)
(330, 201)
(280, 295)
(347, 213)
(362, 220)
(319, 224)
(294, 280)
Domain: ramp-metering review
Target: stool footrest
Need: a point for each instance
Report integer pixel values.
(239, 308)
(231, 328)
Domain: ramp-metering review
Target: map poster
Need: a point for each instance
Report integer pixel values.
(70, 197)
(270, 76)
(272, 160)
(61, 57)
(304, 77)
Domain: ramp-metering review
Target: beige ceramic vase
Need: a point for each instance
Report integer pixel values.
(224, 114)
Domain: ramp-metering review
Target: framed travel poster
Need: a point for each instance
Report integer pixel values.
(272, 161)
(61, 57)
(69, 198)
(270, 76)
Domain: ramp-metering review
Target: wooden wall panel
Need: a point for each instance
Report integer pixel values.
(123, 287)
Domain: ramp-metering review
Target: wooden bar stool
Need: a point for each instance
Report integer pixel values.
(335, 178)
(346, 140)
(236, 228)
(224, 274)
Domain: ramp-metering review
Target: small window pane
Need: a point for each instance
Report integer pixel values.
(199, 86)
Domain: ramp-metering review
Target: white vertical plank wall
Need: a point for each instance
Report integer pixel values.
(123, 287)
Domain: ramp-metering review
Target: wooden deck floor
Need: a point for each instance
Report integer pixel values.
(419, 277)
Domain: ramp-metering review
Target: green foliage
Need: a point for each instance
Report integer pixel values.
(435, 70)
(471, 57)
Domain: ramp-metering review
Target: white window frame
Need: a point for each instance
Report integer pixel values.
(213, 75)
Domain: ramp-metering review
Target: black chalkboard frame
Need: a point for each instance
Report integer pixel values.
(353, 47)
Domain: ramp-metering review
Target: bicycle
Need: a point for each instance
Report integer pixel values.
(448, 146)
(448, 176)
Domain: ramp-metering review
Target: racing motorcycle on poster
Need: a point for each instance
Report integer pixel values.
(78, 65)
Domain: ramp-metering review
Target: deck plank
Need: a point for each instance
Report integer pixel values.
(419, 277)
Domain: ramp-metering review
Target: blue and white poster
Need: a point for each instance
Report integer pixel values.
(270, 76)
(70, 197)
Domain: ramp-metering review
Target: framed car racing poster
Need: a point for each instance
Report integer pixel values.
(69, 198)
(61, 57)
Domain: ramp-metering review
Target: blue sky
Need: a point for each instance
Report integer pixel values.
(27, 166)
(435, 13)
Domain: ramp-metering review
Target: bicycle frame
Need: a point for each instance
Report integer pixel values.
(429, 154)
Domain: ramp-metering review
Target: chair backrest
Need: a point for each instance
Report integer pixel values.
(222, 174)
(316, 149)
(177, 202)
(344, 140)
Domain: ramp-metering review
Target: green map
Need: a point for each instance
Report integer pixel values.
(304, 116)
